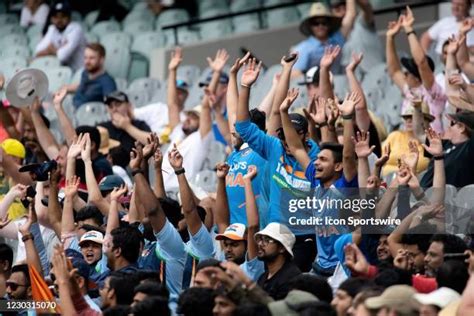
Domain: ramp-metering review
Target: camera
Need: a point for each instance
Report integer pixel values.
(39, 172)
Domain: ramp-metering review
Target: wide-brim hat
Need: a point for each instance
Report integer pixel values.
(25, 86)
(106, 143)
(319, 10)
(425, 110)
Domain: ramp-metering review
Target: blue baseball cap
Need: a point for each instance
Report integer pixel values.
(78, 262)
(181, 84)
(108, 183)
(223, 79)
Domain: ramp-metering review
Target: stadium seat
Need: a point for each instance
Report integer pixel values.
(242, 5)
(34, 30)
(139, 16)
(205, 5)
(137, 27)
(121, 83)
(216, 29)
(140, 6)
(214, 12)
(206, 180)
(91, 37)
(341, 86)
(246, 23)
(187, 36)
(303, 9)
(215, 155)
(146, 86)
(58, 77)
(76, 16)
(144, 43)
(10, 65)
(281, 17)
(8, 18)
(33, 42)
(45, 62)
(14, 39)
(274, 2)
(171, 16)
(91, 113)
(377, 78)
(137, 98)
(10, 29)
(76, 77)
(117, 62)
(391, 106)
(189, 73)
(15, 50)
(90, 18)
(104, 27)
(116, 38)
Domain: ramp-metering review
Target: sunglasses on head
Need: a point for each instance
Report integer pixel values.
(13, 286)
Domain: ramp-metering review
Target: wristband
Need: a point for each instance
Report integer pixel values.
(322, 124)
(179, 171)
(245, 85)
(411, 32)
(348, 116)
(136, 171)
(27, 237)
(440, 157)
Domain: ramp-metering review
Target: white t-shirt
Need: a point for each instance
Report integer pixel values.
(70, 44)
(194, 150)
(155, 115)
(39, 18)
(444, 29)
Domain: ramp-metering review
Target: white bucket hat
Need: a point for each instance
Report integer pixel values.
(25, 86)
(441, 298)
(280, 233)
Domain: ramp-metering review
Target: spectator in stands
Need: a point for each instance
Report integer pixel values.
(34, 12)
(441, 245)
(64, 38)
(322, 29)
(446, 27)
(19, 284)
(95, 83)
(118, 289)
(418, 77)
(275, 243)
(6, 262)
(149, 288)
(122, 125)
(346, 293)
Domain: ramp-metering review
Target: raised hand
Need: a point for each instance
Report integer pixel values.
(36, 105)
(31, 218)
(153, 143)
(176, 59)
(466, 26)
(218, 63)
(310, 110)
(86, 148)
(402, 260)
(136, 156)
(355, 260)
(454, 44)
(394, 27)
(457, 80)
(332, 112)
(411, 159)
(373, 183)
(18, 191)
(59, 97)
(380, 162)
(76, 147)
(214, 101)
(290, 60)
(355, 61)
(430, 211)
(158, 158)
(72, 185)
(330, 55)
(408, 19)
(291, 96)
(175, 158)
(361, 144)
(117, 192)
(251, 72)
(436, 146)
(222, 169)
(348, 105)
(403, 174)
(239, 62)
(251, 173)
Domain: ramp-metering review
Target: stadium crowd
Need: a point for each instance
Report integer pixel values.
(110, 221)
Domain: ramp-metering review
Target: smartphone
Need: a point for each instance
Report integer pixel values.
(289, 58)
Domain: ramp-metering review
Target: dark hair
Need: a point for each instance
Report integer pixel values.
(90, 212)
(196, 301)
(97, 47)
(128, 239)
(210, 262)
(419, 235)
(88, 228)
(152, 288)
(251, 309)
(6, 254)
(117, 310)
(452, 274)
(335, 148)
(148, 275)
(314, 308)
(393, 276)
(120, 156)
(93, 133)
(154, 305)
(313, 284)
(258, 118)
(172, 210)
(123, 285)
(23, 268)
(352, 286)
(451, 243)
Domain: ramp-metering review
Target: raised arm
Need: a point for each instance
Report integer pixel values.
(174, 108)
(32, 256)
(380, 162)
(232, 96)
(67, 221)
(54, 208)
(348, 157)
(363, 151)
(187, 197)
(462, 55)
(348, 21)
(367, 11)
(221, 121)
(250, 75)
(325, 86)
(382, 210)
(274, 122)
(253, 223)
(324, 116)
(439, 178)
(221, 211)
(361, 112)
(45, 137)
(292, 138)
(393, 63)
(159, 187)
(113, 220)
(66, 125)
(426, 74)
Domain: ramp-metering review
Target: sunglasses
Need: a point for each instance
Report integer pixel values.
(319, 22)
(452, 123)
(13, 286)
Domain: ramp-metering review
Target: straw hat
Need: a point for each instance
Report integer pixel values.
(106, 143)
(425, 110)
(318, 9)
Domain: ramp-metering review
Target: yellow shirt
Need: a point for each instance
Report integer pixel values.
(398, 141)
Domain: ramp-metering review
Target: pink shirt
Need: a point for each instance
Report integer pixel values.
(435, 98)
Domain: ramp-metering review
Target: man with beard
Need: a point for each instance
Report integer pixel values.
(19, 284)
(64, 39)
(95, 81)
(275, 243)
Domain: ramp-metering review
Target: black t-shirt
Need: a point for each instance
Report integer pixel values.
(126, 141)
(458, 164)
(277, 285)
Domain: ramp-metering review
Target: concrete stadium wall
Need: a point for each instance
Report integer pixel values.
(269, 45)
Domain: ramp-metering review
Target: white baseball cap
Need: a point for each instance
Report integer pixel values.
(280, 233)
(235, 231)
(93, 236)
(441, 298)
